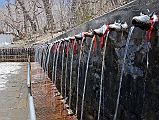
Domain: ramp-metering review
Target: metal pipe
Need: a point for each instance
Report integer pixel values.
(31, 107)
(30, 97)
(28, 76)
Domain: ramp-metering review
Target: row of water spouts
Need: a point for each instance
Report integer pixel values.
(43, 52)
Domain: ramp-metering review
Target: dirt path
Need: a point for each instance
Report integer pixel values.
(13, 91)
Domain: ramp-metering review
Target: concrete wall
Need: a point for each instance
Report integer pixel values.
(140, 91)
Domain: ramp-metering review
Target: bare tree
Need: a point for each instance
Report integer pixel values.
(27, 17)
(39, 16)
(49, 16)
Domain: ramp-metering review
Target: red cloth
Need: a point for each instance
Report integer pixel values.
(75, 48)
(54, 48)
(149, 32)
(102, 38)
(94, 43)
(67, 48)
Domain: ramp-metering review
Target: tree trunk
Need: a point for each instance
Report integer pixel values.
(49, 16)
(73, 11)
(27, 16)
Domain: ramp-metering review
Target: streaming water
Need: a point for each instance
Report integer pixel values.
(122, 71)
(42, 58)
(147, 67)
(48, 57)
(70, 91)
(36, 55)
(85, 79)
(62, 68)
(65, 94)
(39, 54)
(46, 51)
(53, 65)
(102, 73)
(57, 56)
(79, 64)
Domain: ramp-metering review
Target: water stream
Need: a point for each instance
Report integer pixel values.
(66, 65)
(57, 56)
(70, 91)
(40, 55)
(53, 63)
(53, 68)
(122, 70)
(146, 72)
(36, 55)
(62, 68)
(102, 75)
(48, 58)
(43, 58)
(78, 74)
(85, 79)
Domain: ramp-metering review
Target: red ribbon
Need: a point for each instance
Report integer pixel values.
(67, 48)
(102, 41)
(75, 48)
(94, 43)
(71, 43)
(54, 48)
(102, 37)
(149, 32)
(61, 47)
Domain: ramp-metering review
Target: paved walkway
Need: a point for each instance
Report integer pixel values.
(13, 91)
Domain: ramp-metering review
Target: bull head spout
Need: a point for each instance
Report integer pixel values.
(145, 22)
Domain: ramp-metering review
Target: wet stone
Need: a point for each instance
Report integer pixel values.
(48, 104)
